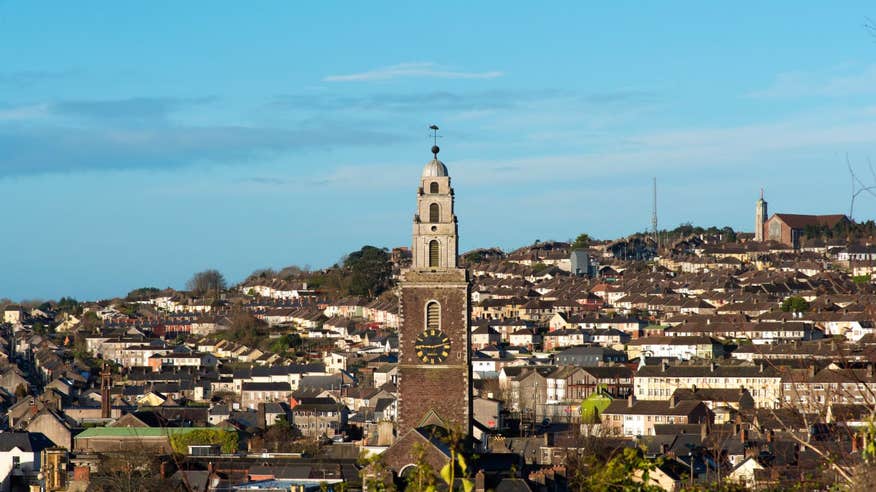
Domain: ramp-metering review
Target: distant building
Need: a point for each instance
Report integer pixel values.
(788, 228)
(580, 262)
(760, 217)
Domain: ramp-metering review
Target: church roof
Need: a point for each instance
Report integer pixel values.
(797, 221)
(434, 168)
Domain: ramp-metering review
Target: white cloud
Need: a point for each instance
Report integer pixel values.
(23, 112)
(411, 70)
(840, 82)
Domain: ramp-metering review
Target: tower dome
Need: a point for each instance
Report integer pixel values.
(434, 168)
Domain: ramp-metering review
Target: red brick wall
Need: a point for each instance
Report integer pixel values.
(444, 388)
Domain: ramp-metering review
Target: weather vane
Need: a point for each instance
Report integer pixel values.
(435, 138)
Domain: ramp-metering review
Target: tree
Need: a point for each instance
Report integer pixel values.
(628, 469)
(583, 241)
(69, 305)
(370, 270)
(284, 343)
(129, 472)
(90, 321)
(795, 304)
(208, 281)
(142, 293)
(246, 329)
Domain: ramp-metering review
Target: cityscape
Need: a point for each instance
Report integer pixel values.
(503, 312)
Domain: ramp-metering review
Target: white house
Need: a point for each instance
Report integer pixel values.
(19, 457)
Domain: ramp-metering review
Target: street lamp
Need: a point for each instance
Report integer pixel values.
(690, 458)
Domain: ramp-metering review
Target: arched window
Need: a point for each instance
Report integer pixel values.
(433, 187)
(433, 316)
(434, 212)
(433, 253)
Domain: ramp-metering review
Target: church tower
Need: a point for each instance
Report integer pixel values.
(434, 368)
(760, 217)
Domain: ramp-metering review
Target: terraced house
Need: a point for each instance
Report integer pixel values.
(660, 382)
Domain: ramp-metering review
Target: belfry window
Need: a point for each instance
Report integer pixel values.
(434, 212)
(433, 316)
(433, 187)
(433, 253)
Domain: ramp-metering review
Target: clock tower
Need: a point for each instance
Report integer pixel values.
(434, 367)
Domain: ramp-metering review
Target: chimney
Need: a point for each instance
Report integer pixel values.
(704, 431)
(630, 400)
(870, 370)
(673, 400)
(479, 481)
(712, 366)
(663, 365)
(811, 370)
(743, 435)
(761, 367)
(769, 436)
(261, 418)
(855, 443)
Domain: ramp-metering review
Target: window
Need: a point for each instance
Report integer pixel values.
(433, 316)
(433, 253)
(433, 187)
(16, 462)
(434, 212)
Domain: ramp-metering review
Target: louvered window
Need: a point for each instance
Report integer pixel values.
(433, 316)
(434, 212)
(433, 253)
(433, 187)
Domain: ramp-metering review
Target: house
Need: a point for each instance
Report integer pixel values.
(20, 459)
(680, 347)
(252, 394)
(589, 356)
(658, 382)
(484, 336)
(633, 417)
(13, 314)
(316, 417)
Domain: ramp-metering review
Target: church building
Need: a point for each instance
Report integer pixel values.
(434, 370)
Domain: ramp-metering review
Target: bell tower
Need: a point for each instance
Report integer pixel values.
(760, 218)
(434, 380)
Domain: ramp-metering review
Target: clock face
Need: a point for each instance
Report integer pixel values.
(432, 346)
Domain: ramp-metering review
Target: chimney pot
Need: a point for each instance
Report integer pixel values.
(630, 400)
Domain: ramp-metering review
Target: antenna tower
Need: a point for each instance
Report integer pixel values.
(654, 215)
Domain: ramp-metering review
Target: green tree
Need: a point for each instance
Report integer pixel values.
(69, 305)
(583, 241)
(628, 470)
(142, 293)
(226, 439)
(284, 343)
(795, 304)
(370, 271)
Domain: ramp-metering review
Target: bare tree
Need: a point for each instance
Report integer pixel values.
(209, 281)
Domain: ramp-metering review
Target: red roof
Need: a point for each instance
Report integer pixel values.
(796, 221)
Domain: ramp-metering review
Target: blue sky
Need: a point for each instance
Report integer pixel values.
(142, 143)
